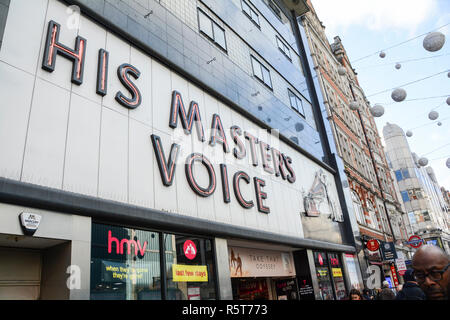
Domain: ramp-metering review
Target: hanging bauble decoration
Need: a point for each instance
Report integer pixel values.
(448, 74)
(354, 105)
(342, 71)
(433, 115)
(434, 41)
(448, 101)
(382, 54)
(423, 161)
(299, 127)
(409, 133)
(377, 110)
(439, 123)
(398, 95)
(447, 163)
(398, 66)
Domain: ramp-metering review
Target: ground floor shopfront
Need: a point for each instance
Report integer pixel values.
(76, 257)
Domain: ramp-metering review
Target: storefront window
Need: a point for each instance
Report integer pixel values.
(338, 277)
(323, 276)
(189, 268)
(125, 264)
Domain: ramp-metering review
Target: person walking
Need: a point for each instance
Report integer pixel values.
(431, 271)
(366, 295)
(386, 293)
(411, 290)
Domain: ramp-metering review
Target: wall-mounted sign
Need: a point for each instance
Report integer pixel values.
(388, 251)
(246, 262)
(185, 273)
(401, 266)
(189, 249)
(394, 275)
(373, 245)
(29, 222)
(415, 241)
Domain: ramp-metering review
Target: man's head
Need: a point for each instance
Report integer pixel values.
(429, 263)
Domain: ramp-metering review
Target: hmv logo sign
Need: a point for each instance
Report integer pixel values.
(125, 246)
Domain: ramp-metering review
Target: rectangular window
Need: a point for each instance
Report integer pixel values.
(405, 196)
(261, 72)
(284, 48)
(212, 30)
(126, 265)
(296, 103)
(398, 175)
(405, 174)
(250, 13)
(194, 255)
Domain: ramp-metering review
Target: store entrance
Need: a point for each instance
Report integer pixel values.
(264, 288)
(33, 268)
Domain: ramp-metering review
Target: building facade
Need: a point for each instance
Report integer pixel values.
(167, 150)
(377, 210)
(427, 210)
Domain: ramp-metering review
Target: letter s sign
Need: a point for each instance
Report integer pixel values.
(373, 281)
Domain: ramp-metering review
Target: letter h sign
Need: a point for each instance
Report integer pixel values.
(54, 47)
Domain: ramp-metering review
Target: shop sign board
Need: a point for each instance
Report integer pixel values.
(388, 251)
(245, 262)
(189, 249)
(401, 266)
(415, 241)
(186, 273)
(337, 272)
(373, 245)
(394, 275)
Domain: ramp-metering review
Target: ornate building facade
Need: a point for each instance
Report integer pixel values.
(377, 209)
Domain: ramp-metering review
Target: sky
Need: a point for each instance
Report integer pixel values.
(370, 26)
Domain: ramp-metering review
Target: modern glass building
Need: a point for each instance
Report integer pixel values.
(167, 150)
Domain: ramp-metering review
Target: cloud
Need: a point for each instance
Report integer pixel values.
(377, 15)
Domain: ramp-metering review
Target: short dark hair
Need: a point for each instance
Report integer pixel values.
(355, 291)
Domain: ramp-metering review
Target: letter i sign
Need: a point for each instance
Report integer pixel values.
(189, 249)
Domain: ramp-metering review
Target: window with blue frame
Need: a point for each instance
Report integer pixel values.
(402, 174)
(405, 196)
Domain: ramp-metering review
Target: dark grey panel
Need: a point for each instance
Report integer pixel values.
(4, 8)
(24, 194)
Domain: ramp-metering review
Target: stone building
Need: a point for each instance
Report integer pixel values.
(377, 209)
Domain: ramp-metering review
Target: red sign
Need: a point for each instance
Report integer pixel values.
(190, 250)
(415, 241)
(373, 245)
(394, 275)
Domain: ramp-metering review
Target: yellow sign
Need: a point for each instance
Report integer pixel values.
(337, 272)
(184, 273)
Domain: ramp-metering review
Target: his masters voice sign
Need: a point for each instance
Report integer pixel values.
(29, 222)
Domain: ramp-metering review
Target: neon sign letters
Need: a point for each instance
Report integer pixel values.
(273, 161)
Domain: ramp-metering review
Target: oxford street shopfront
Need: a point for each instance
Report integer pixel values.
(138, 183)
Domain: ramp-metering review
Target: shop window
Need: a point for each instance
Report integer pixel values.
(125, 264)
(323, 276)
(211, 30)
(296, 103)
(250, 13)
(261, 72)
(330, 276)
(189, 268)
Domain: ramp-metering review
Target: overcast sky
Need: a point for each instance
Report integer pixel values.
(368, 26)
